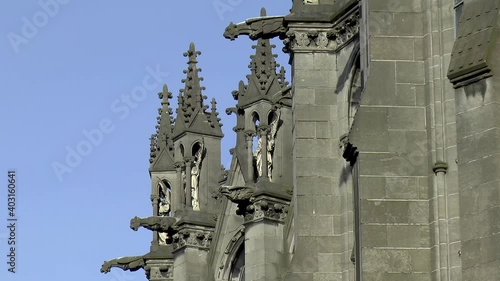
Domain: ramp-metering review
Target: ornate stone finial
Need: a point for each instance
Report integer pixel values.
(263, 12)
(192, 96)
(214, 120)
(165, 129)
(192, 112)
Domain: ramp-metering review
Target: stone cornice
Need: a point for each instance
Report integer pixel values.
(192, 236)
(159, 270)
(319, 38)
(264, 201)
(266, 207)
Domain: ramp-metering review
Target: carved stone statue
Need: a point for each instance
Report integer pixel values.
(183, 184)
(263, 27)
(125, 263)
(165, 199)
(164, 209)
(195, 177)
(237, 194)
(258, 156)
(153, 223)
(271, 138)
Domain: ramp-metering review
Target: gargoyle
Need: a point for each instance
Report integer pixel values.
(262, 27)
(161, 224)
(126, 263)
(237, 194)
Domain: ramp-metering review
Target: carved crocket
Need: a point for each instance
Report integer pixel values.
(126, 263)
(161, 224)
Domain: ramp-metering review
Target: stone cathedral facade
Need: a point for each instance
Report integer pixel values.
(379, 160)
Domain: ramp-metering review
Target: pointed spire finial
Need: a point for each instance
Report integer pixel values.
(164, 138)
(192, 53)
(165, 95)
(191, 113)
(214, 104)
(263, 12)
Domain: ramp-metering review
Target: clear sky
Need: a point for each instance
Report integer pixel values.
(67, 68)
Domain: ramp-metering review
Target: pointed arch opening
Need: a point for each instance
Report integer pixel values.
(198, 152)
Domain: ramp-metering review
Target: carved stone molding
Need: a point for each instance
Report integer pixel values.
(192, 236)
(266, 207)
(323, 39)
(440, 167)
(159, 270)
(231, 249)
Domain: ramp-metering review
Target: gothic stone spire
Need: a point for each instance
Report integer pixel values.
(162, 143)
(191, 114)
(264, 82)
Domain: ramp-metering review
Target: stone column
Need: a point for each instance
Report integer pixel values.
(178, 193)
(263, 131)
(189, 163)
(317, 254)
(190, 250)
(154, 201)
(264, 223)
(249, 139)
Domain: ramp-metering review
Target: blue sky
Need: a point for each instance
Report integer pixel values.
(66, 70)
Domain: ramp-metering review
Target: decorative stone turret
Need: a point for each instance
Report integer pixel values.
(197, 134)
(263, 150)
(263, 119)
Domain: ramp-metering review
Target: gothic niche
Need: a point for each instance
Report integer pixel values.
(270, 134)
(256, 147)
(183, 174)
(199, 152)
(164, 207)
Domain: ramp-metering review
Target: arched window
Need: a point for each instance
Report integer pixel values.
(165, 204)
(238, 265)
(181, 148)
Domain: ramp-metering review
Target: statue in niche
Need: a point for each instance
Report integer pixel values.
(258, 156)
(183, 183)
(165, 199)
(164, 208)
(271, 139)
(195, 177)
